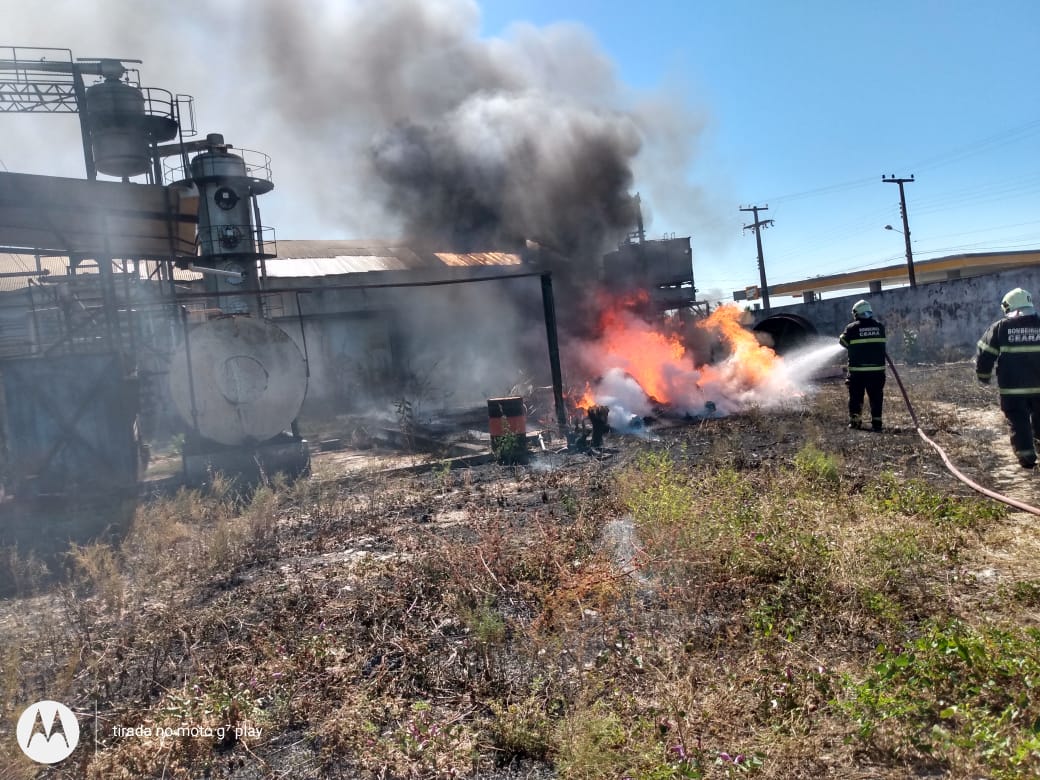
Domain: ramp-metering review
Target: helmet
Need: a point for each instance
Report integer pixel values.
(862, 309)
(1016, 299)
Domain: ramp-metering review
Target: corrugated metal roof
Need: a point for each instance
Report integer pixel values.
(303, 259)
(10, 263)
(293, 267)
(59, 267)
(297, 249)
(478, 258)
(296, 267)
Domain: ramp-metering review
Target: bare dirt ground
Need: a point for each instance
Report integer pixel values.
(707, 603)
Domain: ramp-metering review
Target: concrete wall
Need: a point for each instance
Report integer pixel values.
(940, 321)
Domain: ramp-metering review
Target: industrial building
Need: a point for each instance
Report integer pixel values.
(157, 303)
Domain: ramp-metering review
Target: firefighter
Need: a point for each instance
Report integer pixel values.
(864, 338)
(1013, 344)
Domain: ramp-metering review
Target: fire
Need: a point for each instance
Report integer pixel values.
(643, 353)
(652, 361)
(588, 398)
(750, 364)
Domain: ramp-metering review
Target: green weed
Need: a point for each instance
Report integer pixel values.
(958, 694)
(816, 466)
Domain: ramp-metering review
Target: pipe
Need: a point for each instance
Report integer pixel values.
(202, 269)
(366, 286)
(946, 459)
(549, 306)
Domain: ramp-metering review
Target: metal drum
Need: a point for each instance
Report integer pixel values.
(118, 133)
(246, 381)
(507, 424)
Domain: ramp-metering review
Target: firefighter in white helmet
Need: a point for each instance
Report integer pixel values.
(1012, 344)
(865, 340)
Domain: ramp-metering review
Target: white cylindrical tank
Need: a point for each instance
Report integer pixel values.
(245, 383)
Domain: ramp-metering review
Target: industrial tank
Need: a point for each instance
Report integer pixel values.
(238, 380)
(124, 122)
(115, 114)
(226, 186)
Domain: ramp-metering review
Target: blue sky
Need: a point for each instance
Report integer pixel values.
(801, 105)
(808, 103)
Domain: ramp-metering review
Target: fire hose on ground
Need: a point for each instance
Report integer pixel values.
(946, 459)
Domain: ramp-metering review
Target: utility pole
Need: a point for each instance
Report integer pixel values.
(906, 224)
(757, 226)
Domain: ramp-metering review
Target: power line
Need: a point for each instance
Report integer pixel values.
(1003, 138)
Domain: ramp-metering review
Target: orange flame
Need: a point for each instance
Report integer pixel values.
(656, 357)
(642, 352)
(750, 364)
(588, 398)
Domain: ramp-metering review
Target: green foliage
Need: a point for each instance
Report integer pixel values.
(510, 446)
(622, 740)
(912, 351)
(816, 466)
(656, 493)
(593, 745)
(523, 728)
(880, 605)
(917, 499)
(958, 694)
(1024, 592)
(724, 525)
(486, 624)
(607, 740)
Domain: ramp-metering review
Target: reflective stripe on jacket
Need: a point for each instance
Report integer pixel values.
(865, 340)
(1013, 345)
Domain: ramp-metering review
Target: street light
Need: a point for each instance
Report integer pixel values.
(909, 255)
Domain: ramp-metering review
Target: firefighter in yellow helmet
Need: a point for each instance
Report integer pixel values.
(1012, 344)
(865, 340)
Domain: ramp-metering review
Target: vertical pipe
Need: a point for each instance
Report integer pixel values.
(306, 360)
(303, 336)
(639, 219)
(549, 306)
(108, 295)
(157, 177)
(259, 228)
(84, 124)
(34, 346)
(130, 319)
(191, 375)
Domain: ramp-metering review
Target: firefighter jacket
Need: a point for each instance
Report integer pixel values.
(1013, 344)
(865, 341)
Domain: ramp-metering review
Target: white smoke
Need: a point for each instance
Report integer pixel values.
(623, 396)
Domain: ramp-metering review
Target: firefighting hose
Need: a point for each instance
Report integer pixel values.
(949, 464)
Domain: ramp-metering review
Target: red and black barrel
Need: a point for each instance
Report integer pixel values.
(507, 423)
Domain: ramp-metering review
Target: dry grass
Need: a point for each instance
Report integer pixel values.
(709, 605)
